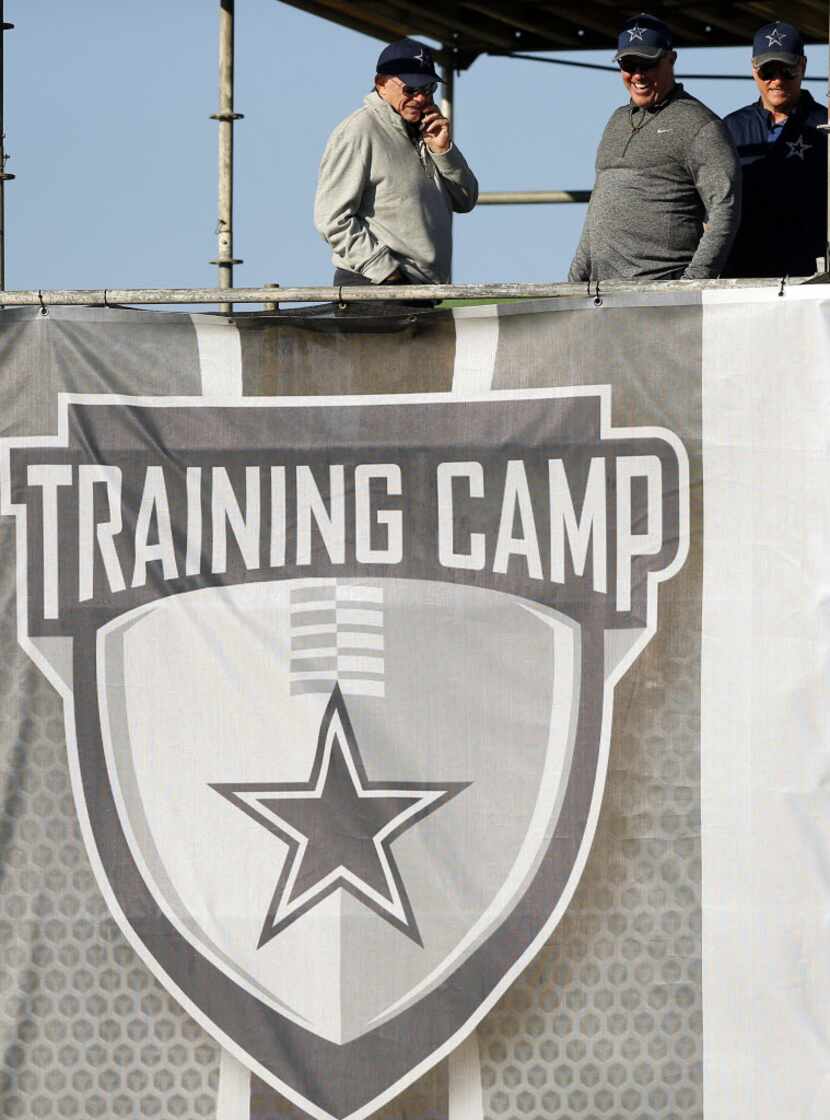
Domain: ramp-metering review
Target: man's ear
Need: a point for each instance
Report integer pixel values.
(673, 57)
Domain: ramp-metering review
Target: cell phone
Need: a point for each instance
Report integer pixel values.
(429, 105)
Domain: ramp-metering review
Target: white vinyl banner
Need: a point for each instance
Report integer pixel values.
(765, 699)
(418, 717)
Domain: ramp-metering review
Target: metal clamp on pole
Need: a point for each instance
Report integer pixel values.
(271, 305)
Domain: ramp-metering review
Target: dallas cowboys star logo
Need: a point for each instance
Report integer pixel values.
(420, 57)
(775, 38)
(797, 148)
(339, 827)
(635, 33)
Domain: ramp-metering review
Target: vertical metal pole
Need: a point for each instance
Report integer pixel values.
(225, 259)
(4, 175)
(827, 133)
(448, 98)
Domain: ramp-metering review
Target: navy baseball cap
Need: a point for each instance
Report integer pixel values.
(777, 42)
(644, 36)
(410, 61)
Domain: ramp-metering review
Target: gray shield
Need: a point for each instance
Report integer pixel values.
(337, 812)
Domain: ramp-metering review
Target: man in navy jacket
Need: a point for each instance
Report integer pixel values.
(784, 163)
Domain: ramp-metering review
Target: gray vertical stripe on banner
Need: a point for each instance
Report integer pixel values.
(220, 356)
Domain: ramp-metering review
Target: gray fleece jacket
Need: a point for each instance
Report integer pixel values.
(385, 202)
(661, 173)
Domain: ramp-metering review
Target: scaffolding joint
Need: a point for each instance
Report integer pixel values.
(5, 176)
(226, 261)
(227, 116)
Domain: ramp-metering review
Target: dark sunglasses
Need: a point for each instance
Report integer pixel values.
(638, 65)
(427, 90)
(772, 70)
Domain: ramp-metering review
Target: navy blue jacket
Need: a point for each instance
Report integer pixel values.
(784, 217)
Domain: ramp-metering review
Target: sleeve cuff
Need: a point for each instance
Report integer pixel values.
(450, 160)
(379, 267)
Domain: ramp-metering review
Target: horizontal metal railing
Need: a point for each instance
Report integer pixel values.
(511, 198)
(107, 297)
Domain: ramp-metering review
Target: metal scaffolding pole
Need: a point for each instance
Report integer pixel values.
(225, 259)
(510, 198)
(448, 95)
(827, 134)
(380, 293)
(448, 98)
(4, 175)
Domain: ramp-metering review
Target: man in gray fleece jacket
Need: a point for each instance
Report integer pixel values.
(666, 201)
(391, 177)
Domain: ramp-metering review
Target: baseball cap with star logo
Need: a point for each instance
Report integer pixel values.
(777, 42)
(410, 61)
(644, 36)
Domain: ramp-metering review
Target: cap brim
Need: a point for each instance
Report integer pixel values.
(786, 57)
(640, 52)
(418, 80)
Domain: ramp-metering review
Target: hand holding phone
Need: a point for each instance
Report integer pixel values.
(435, 129)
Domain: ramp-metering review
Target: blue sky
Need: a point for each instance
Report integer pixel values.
(108, 129)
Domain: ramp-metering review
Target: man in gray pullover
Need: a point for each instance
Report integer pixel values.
(666, 201)
(390, 179)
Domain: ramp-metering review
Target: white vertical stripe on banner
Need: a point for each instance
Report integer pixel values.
(765, 750)
(476, 341)
(233, 1098)
(220, 356)
(220, 364)
(465, 1096)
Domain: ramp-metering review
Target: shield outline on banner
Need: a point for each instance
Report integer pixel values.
(52, 658)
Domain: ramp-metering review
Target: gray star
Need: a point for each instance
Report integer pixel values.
(774, 39)
(635, 33)
(339, 828)
(420, 56)
(797, 148)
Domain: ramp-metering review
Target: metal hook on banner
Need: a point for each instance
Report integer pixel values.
(44, 310)
(597, 298)
(106, 301)
(341, 306)
(784, 280)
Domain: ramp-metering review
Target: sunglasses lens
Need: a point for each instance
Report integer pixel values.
(412, 91)
(637, 65)
(780, 72)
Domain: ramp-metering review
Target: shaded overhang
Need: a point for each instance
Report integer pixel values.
(477, 27)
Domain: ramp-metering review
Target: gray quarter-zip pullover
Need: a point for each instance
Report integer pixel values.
(384, 201)
(661, 173)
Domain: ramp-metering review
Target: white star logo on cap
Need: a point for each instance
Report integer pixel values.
(797, 148)
(775, 38)
(419, 57)
(635, 33)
